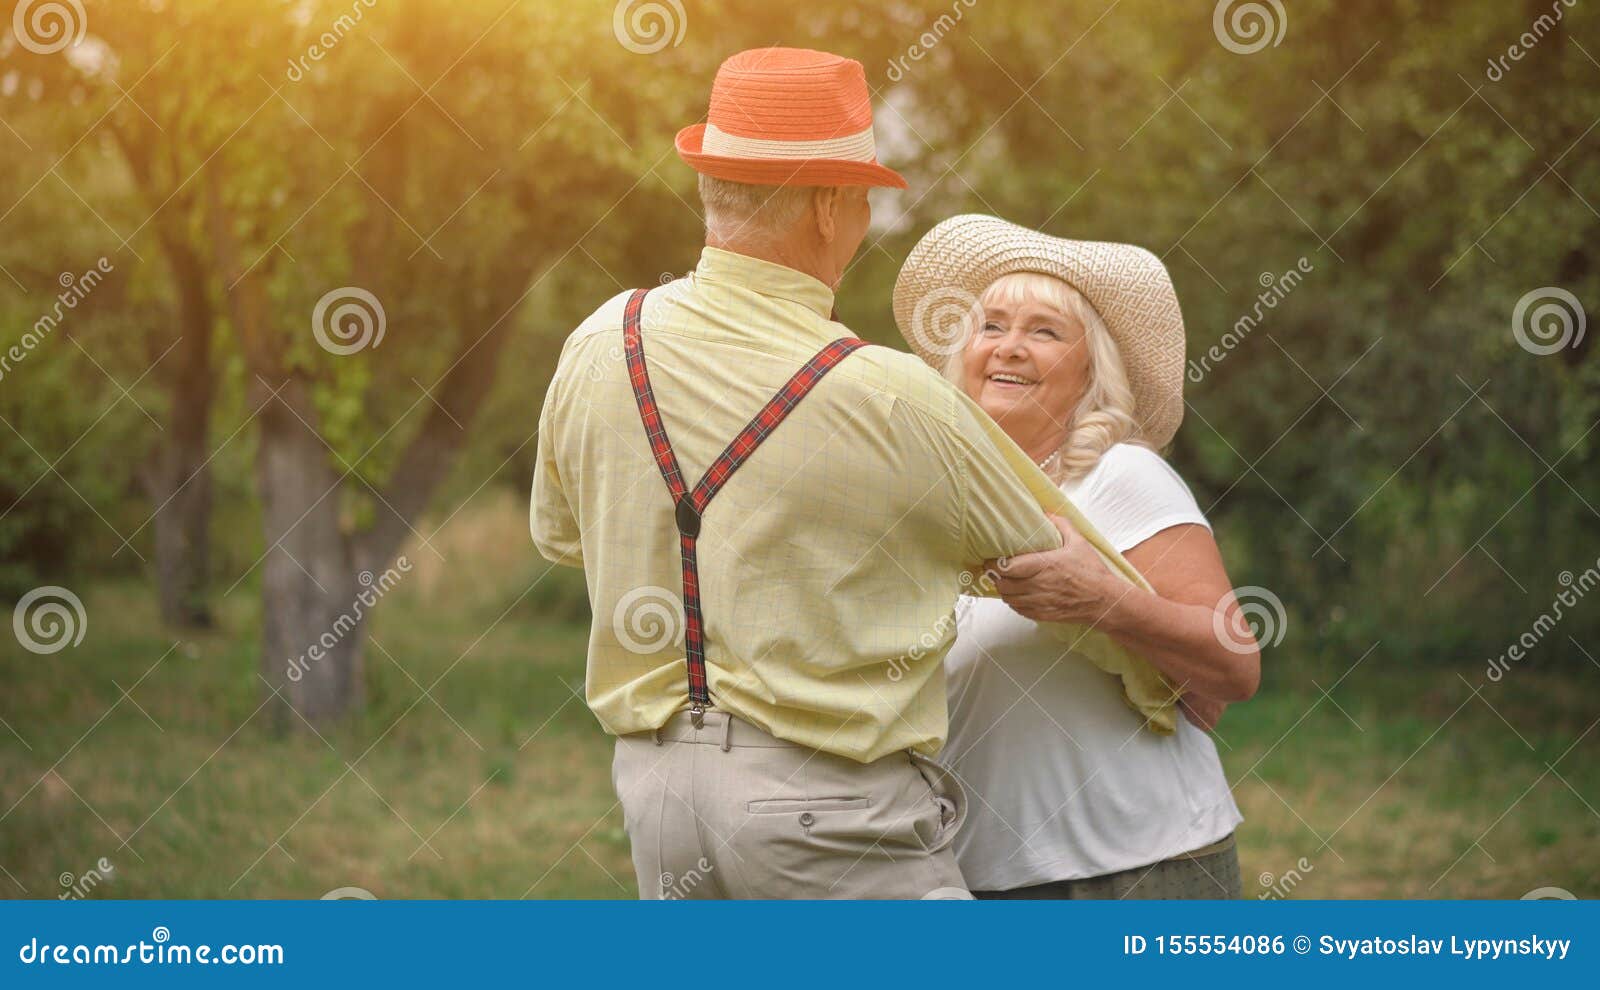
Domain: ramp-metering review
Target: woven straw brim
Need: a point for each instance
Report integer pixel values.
(782, 171)
(1128, 286)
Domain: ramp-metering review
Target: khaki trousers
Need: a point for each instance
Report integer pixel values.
(729, 811)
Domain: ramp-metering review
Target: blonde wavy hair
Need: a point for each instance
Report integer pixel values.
(1104, 416)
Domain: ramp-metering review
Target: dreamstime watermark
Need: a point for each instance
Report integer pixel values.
(1274, 289)
(78, 887)
(1549, 894)
(328, 40)
(648, 27)
(935, 637)
(1529, 39)
(930, 38)
(348, 319)
(648, 619)
(1576, 588)
(1280, 886)
(74, 290)
(1247, 28)
(1254, 619)
(677, 888)
(373, 588)
(349, 894)
(602, 361)
(160, 950)
(1548, 320)
(45, 27)
(49, 619)
(942, 319)
(926, 643)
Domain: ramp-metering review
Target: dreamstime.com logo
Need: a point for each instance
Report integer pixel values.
(943, 629)
(648, 27)
(929, 38)
(49, 619)
(1275, 888)
(1574, 588)
(76, 888)
(328, 40)
(648, 619)
(1529, 39)
(1255, 617)
(45, 27)
(1548, 320)
(1247, 28)
(942, 319)
(1274, 290)
(160, 950)
(373, 587)
(1549, 894)
(348, 319)
(74, 290)
(679, 887)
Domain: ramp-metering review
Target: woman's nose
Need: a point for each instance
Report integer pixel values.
(1011, 344)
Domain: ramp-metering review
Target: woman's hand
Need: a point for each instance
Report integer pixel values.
(1175, 626)
(1068, 584)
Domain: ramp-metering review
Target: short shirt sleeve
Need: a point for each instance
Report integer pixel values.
(1133, 494)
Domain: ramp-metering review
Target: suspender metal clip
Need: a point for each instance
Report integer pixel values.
(697, 714)
(687, 518)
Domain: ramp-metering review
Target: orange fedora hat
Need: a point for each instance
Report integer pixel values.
(788, 117)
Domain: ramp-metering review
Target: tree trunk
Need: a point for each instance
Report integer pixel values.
(180, 487)
(179, 481)
(313, 619)
(182, 483)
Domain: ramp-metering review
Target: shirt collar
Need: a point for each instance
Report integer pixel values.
(765, 277)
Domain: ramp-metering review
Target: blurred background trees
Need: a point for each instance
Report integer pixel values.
(1377, 450)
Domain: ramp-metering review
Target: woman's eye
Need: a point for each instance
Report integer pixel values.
(990, 329)
(1047, 333)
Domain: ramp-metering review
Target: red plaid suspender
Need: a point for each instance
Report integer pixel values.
(691, 504)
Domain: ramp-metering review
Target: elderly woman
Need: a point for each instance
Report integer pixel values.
(1076, 349)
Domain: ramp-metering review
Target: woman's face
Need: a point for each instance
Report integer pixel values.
(1028, 366)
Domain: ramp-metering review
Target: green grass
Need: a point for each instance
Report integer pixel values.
(1416, 788)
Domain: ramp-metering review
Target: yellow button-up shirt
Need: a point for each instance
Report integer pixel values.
(830, 562)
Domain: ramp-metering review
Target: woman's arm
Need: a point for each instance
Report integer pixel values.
(1175, 626)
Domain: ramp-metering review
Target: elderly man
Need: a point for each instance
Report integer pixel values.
(775, 523)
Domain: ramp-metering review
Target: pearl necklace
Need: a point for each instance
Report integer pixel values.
(1050, 462)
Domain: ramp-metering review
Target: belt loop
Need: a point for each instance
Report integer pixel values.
(727, 732)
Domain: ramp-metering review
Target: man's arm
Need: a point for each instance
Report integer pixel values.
(1008, 499)
(550, 516)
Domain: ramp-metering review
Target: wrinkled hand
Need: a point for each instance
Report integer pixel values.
(1069, 584)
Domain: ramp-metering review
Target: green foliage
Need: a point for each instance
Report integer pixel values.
(473, 164)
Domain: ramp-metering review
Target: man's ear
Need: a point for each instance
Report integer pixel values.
(825, 201)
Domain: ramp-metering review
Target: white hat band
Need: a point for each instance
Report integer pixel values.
(857, 147)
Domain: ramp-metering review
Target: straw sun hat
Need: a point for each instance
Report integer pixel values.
(1129, 287)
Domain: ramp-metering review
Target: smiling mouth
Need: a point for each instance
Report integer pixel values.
(1011, 381)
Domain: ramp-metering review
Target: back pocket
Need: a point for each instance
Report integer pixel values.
(783, 806)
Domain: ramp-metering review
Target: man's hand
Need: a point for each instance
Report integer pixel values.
(1069, 584)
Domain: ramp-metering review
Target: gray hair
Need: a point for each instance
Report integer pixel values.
(739, 210)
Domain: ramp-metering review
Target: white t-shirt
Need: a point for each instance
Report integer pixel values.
(1063, 780)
